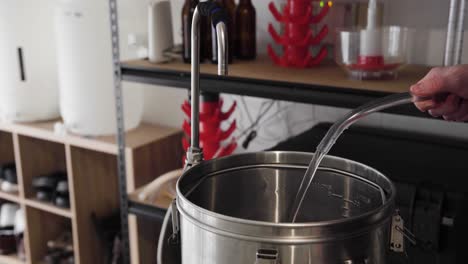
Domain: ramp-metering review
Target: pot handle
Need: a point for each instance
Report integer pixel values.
(267, 256)
(168, 251)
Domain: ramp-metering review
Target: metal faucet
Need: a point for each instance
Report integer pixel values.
(195, 153)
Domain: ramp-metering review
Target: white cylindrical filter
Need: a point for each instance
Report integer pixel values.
(371, 37)
(159, 30)
(28, 70)
(87, 100)
(371, 43)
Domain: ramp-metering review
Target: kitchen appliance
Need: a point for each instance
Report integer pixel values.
(28, 78)
(347, 218)
(349, 212)
(86, 73)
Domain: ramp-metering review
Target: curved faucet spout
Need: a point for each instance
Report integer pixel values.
(223, 48)
(195, 153)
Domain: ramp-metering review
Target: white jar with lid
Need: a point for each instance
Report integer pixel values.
(87, 101)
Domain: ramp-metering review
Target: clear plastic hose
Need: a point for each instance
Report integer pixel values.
(335, 131)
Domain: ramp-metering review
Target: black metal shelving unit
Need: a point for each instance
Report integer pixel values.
(279, 90)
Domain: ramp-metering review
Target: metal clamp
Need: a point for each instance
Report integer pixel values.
(267, 256)
(193, 157)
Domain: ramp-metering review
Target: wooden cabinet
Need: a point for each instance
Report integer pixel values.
(91, 167)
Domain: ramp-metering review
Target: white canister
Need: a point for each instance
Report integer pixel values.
(28, 70)
(87, 100)
(160, 37)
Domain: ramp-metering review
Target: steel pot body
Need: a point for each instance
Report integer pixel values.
(235, 210)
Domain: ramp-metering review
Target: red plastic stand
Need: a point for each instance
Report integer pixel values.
(298, 37)
(212, 136)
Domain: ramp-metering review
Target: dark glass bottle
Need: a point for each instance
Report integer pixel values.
(231, 9)
(187, 15)
(246, 31)
(230, 27)
(205, 40)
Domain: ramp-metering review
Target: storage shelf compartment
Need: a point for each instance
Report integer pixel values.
(41, 158)
(327, 84)
(95, 184)
(7, 156)
(43, 227)
(49, 207)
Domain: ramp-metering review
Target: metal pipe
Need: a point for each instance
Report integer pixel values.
(195, 81)
(460, 33)
(223, 48)
(451, 34)
(195, 153)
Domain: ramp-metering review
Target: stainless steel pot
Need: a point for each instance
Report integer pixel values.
(234, 210)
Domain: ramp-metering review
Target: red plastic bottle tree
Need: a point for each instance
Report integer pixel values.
(212, 137)
(297, 18)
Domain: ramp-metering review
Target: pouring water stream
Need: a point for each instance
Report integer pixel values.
(335, 131)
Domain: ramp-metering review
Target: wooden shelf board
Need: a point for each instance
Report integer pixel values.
(50, 208)
(328, 74)
(10, 259)
(135, 138)
(12, 197)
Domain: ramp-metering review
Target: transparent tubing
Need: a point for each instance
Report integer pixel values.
(334, 133)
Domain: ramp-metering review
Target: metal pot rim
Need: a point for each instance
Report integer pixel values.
(383, 210)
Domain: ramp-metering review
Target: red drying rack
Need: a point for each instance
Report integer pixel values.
(298, 36)
(212, 136)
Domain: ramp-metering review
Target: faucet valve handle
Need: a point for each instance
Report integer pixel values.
(213, 9)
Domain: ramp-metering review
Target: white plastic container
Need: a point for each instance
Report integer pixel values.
(160, 36)
(86, 72)
(28, 77)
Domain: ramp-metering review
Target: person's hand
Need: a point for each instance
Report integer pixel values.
(448, 88)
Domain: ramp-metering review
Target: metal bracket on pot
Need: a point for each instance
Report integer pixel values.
(398, 234)
(267, 256)
(174, 239)
(397, 240)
